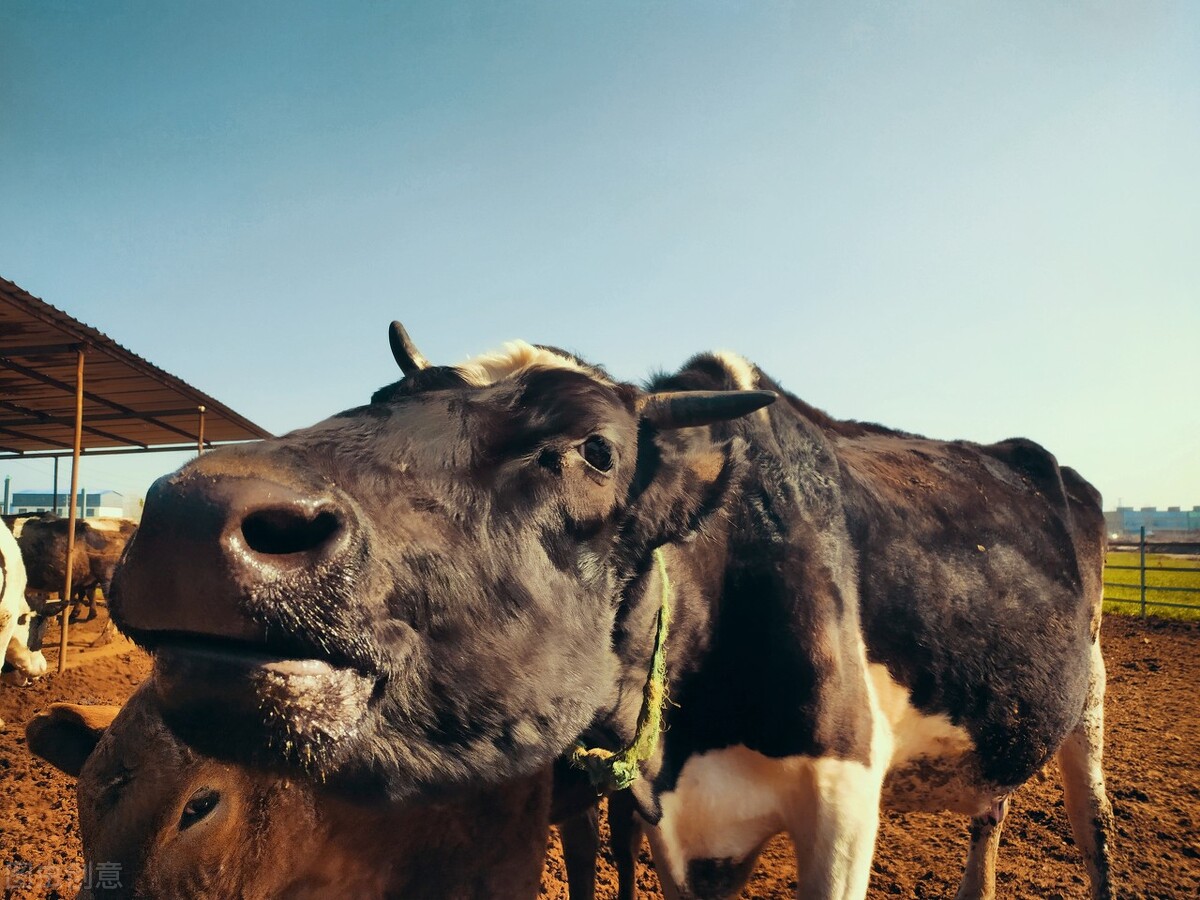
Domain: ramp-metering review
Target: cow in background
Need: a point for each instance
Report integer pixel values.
(177, 824)
(448, 587)
(19, 636)
(99, 543)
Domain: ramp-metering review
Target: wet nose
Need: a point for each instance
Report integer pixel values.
(273, 531)
(214, 547)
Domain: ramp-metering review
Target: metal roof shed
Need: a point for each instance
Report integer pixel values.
(125, 404)
(128, 403)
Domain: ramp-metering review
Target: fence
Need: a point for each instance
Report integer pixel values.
(1143, 584)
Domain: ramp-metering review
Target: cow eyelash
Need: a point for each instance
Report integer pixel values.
(597, 453)
(199, 805)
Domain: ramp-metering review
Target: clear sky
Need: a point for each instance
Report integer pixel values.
(971, 220)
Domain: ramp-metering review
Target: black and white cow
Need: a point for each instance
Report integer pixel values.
(20, 630)
(451, 585)
(98, 545)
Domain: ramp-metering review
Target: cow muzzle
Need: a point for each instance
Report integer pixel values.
(236, 582)
(213, 553)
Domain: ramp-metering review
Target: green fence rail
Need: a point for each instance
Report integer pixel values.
(1147, 580)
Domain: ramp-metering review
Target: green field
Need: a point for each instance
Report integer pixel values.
(1155, 578)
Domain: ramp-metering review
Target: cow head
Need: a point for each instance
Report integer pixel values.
(419, 592)
(159, 821)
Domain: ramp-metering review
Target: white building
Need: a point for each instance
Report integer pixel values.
(88, 505)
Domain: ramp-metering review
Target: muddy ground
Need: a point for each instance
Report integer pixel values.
(1153, 767)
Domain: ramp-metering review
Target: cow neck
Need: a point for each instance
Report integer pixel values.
(617, 771)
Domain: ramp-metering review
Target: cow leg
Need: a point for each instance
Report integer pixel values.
(78, 596)
(660, 853)
(1087, 804)
(834, 829)
(979, 879)
(581, 844)
(625, 833)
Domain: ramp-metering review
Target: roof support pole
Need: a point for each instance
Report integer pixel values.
(66, 610)
(200, 432)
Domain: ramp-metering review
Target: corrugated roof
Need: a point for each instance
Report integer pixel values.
(128, 404)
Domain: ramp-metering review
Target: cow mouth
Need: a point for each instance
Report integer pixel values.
(222, 694)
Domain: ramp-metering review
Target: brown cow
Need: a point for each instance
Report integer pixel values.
(167, 822)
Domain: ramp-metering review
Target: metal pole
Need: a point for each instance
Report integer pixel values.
(1142, 564)
(54, 508)
(66, 610)
(200, 436)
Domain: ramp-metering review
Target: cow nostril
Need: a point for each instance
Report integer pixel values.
(282, 531)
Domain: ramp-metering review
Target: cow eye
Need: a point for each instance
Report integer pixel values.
(200, 804)
(597, 453)
(22, 618)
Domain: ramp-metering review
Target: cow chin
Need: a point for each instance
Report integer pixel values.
(292, 711)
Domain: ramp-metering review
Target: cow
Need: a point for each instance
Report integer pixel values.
(458, 582)
(165, 822)
(19, 635)
(99, 543)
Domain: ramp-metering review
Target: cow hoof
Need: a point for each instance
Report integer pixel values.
(15, 678)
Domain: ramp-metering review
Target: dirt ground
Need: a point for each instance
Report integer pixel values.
(1153, 770)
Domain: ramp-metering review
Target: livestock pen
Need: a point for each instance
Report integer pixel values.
(1159, 579)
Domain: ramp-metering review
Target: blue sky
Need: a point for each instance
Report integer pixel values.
(969, 220)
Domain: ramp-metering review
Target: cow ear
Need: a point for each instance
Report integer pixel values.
(66, 734)
(677, 488)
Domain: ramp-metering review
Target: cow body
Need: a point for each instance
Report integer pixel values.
(22, 662)
(895, 618)
(99, 543)
(857, 615)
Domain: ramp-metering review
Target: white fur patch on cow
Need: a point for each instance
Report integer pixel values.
(743, 373)
(18, 525)
(914, 733)
(513, 359)
(739, 369)
(932, 760)
(727, 802)
(724, 805)
(106, 523)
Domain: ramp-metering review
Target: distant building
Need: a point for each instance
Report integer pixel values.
(1126, 520)
(99, 503)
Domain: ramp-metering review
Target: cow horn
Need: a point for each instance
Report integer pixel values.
(686, 409)
(408, 357)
